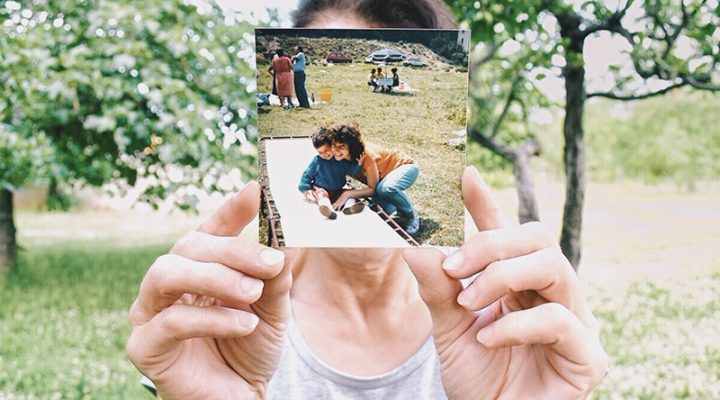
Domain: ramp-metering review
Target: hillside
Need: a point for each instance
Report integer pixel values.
(316, 49)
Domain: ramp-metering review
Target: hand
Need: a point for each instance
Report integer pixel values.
(309, 196)
(341, 200)
(522, 328)
(209, 319)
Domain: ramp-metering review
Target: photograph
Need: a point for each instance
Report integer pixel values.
(361, 136)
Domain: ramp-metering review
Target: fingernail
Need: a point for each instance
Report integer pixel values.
(465, 298)
(485, 334)
(270, 257)
(248, 320)
(251, 286)
(454, 261)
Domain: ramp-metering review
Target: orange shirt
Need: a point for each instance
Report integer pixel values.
(386, 160)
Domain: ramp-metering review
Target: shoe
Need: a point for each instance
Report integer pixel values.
(354, 209)
(413, 225)
(328, 212)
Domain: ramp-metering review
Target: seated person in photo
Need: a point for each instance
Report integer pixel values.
(371, 79)
(395, 77)
(381, 75)
(324, 179)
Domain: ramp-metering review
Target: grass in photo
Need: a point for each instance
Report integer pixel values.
(385, 111)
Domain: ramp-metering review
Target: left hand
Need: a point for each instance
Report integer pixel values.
(522, 328)
(340, 202)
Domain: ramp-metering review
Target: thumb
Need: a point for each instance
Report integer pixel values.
(232, 217)
(274, 303)
(439, 292)
(480, 202)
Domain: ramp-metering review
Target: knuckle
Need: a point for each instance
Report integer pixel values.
(133, 349)
(170, 321)
(163, 271)
(561, 317)
(493, 272)
(561, 268)
(542, 232)
(135, 314)
(492, 244)
(187, 242)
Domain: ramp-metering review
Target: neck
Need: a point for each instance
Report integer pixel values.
(354, 280)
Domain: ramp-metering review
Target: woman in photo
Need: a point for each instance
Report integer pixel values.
(388, 173)
(281, 67)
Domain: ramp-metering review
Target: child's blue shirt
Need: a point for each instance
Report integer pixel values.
(327, 174)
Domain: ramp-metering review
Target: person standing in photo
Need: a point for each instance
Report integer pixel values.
(299, 60)
(282, 68)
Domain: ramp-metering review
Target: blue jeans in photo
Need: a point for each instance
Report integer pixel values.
(390, 191)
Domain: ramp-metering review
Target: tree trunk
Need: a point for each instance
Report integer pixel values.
(570, 239)
(8, 245)
(520, 158)
(527, 205)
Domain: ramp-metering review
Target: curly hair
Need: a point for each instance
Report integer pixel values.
(349, 135)
(321, 137)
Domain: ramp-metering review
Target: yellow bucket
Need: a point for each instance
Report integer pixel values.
(326, 96)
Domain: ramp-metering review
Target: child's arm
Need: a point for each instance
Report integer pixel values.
(308, 177)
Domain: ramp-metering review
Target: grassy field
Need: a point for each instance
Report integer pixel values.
(651, 270)
(419, 125)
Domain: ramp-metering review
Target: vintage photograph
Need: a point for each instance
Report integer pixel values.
(361, 136)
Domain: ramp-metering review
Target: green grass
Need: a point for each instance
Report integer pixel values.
(63, 321)
(419, 125)
(662, 339)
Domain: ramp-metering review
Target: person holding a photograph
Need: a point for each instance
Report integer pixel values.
(281, 68)
(223, 317)
(388, 173)
(324, 179)
(299, 60)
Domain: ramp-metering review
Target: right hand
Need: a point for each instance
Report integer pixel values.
(210, 316)
(309, 196)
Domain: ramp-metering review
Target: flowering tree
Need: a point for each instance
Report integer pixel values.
(102, 91)
(668, 44)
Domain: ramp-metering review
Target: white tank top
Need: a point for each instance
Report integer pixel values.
(302, 376)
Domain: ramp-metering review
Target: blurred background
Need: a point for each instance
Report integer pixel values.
(122, 124)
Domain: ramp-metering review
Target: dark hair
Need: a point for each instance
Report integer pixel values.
(321, 137)
(349, 135)
(423, 14)
(373, 70)
(300, 49)
(379, 69)
(394, 70)
(281, 53)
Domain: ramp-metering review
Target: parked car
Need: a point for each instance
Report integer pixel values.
(384, 55)
(336, 57)
(414, 61)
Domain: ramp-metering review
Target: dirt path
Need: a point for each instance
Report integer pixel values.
(638, 231)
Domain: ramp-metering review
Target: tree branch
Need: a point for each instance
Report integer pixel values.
(502, 150)
(508, 103)
(615, 96)
(612, 24)
(701, 85)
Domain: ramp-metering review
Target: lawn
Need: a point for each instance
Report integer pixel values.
(651, 270)
(419, 125)
(63, 323)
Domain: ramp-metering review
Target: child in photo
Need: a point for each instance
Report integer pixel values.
(324, 179)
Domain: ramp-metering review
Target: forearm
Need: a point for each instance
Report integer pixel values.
(359, 193)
